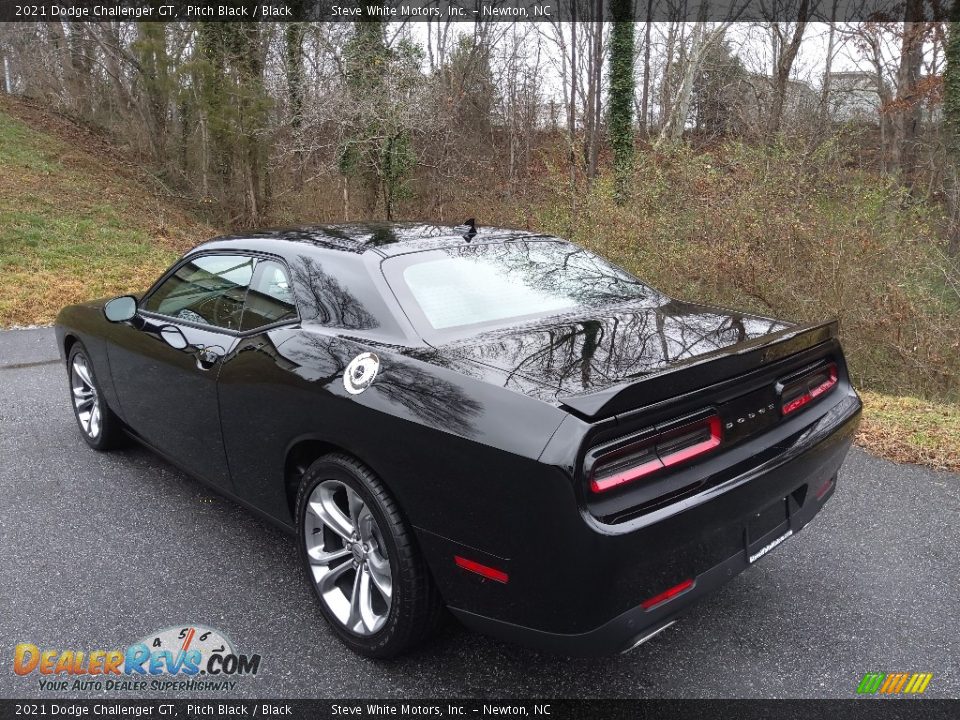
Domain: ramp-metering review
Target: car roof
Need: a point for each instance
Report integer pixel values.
(383, 238)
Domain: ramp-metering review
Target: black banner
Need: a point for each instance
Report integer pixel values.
(485, 709)
(452, 10)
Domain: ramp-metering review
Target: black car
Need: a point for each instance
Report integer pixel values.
(492, 421)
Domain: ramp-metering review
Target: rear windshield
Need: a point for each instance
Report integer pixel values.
(474, 286)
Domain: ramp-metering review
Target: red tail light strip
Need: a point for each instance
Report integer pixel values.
(626, 476)
(688, 453)
(808, 394)
(668, 594)
(664, 459)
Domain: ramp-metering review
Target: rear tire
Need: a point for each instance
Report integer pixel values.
(362, 561)
(100, 428)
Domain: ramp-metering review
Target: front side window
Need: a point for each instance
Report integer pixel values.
(498, 283)
(270, 297)
(210, 290)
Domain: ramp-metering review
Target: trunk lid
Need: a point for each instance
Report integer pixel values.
(618, 359)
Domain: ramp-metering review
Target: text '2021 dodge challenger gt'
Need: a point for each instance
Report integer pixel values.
(496, 422)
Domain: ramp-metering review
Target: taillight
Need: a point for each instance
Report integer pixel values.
(802, 392)
(667, 449)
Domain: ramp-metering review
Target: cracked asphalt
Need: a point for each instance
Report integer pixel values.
(99, 550)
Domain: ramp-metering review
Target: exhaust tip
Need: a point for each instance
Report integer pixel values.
(649, 636)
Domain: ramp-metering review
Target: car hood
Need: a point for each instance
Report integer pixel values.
(594, 350)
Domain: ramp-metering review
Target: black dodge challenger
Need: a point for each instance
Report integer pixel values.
(492, 421)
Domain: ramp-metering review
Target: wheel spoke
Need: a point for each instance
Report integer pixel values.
(325, 508)
(380, 575)
(355, 615)
(95, 420)
(366, 523)
(328, 582)
(83, 372)
(367, 614)
(357, 507)
(319, 556)
(86, 404)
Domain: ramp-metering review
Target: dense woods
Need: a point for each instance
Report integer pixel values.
(798, 167)
(389, 118)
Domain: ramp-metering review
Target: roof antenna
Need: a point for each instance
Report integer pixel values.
(468, 228)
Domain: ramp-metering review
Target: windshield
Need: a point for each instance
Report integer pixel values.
(492, 284)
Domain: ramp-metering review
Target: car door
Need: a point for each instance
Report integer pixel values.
(258, 390)
(166, 361)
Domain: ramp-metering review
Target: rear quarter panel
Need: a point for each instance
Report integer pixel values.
(459, 453)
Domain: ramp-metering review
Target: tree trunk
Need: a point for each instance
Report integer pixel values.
(588, 103)
(951, 129)
(700, 42)
(81, 68)
(906, 120)
(784, 64)
(828, 65)
(7, 81)
(294, 33)
(572, 114)
(645, 102)
(597, 93)
(666, 80)
(154, 84)
(591, 145)
(621, 96)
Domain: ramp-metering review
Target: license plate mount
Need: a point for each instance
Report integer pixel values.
(766, 529)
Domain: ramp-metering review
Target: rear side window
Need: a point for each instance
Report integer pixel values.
(336, 291)
(210, 290)
(270, 297)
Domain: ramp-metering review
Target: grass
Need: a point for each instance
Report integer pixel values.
(75, 225)
(911, 430)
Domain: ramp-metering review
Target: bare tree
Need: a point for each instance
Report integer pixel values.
(702, 38)
(786, 38)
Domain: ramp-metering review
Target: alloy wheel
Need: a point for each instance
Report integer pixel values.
(348, 558)
(86, 400)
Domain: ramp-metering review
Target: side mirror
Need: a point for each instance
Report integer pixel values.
(121, 309)
(174, 337)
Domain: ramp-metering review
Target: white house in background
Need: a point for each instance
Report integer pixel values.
(854, 97)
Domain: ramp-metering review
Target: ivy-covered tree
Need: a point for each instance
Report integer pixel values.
(951, 125)
(293, 56)
(234, 110)
(154, 83)
(381, 83)
(621, 95)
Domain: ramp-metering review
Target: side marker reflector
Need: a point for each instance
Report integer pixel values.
(668, 594)
(483, 570)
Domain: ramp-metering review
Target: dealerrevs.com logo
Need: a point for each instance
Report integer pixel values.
(187, 657)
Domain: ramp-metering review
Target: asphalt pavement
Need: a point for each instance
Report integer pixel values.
(98, 550)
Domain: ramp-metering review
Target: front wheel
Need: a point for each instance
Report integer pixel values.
(98, 425)
(362, 561)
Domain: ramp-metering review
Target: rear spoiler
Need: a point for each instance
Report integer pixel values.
(699, 372)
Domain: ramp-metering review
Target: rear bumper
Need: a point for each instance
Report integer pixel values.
(803, 476)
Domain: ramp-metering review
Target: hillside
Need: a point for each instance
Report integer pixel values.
(79, 221)
(76, 220)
